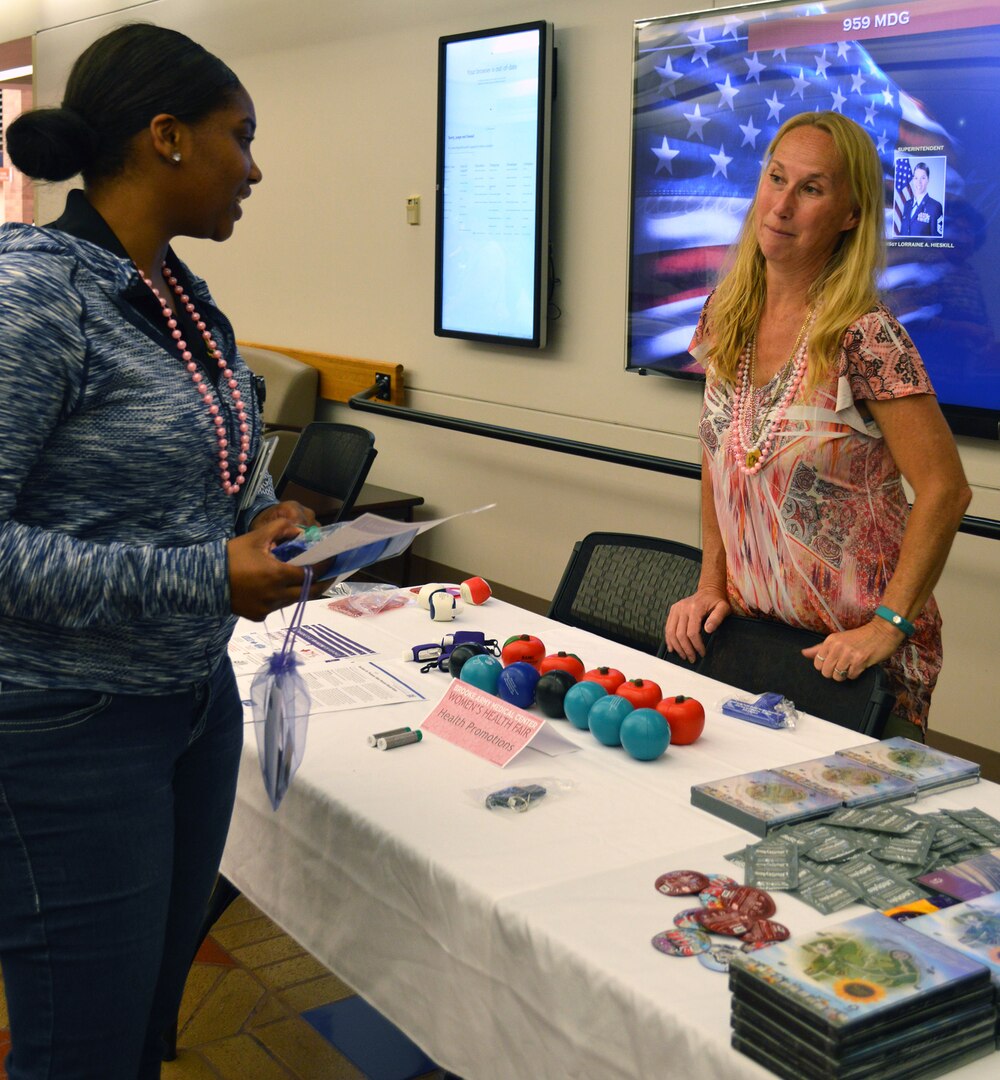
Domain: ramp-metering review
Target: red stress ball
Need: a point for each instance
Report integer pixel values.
(685, 716)
(643, 693)
(563, 661)
(522, 648)
(475, 591)
(608, 677)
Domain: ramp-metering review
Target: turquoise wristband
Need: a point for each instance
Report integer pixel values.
(896, 619)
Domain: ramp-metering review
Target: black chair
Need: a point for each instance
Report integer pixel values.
(621, 586)
(328, 468)
(760, 655)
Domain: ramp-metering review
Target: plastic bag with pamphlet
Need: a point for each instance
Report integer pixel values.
(281, 704)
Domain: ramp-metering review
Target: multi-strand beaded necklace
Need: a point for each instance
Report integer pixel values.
(755, 424)
(227, 466)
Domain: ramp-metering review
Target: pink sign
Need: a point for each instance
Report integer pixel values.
(482, 724)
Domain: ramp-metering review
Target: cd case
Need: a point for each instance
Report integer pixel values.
(929, 769)
(972, 928)
(846, 979)
(854, 782)
(763, 800)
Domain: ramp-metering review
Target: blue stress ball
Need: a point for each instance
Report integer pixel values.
(578, 700)
(645, 734)
(606, 717)
(517, 684)
(483, 672)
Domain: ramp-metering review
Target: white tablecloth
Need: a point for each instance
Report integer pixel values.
(511, 945)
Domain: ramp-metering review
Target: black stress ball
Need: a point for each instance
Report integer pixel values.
(551, 690)
(461, 653)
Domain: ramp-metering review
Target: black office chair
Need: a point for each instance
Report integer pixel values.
(328, 468)
(760, 655)
(621, 586)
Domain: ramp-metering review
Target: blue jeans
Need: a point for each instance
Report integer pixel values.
(114, 810)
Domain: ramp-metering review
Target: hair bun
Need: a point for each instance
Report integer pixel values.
(51, 144)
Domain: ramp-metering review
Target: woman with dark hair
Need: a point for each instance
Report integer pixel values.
(817, 405)
(127, 548)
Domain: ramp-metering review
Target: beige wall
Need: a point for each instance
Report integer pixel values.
(324, 259)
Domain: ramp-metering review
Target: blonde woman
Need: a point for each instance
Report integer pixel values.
(817, 406)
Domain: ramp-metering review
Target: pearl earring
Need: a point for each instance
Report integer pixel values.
(175, 156)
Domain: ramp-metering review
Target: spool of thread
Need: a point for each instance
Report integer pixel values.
(373, 739)
(390, 742)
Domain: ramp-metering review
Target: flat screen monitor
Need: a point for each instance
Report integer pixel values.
(491, 231)
(922, 78)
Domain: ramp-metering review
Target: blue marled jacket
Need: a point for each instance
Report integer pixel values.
(113, 522)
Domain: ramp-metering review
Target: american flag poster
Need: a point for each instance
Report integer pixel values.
(712, 88)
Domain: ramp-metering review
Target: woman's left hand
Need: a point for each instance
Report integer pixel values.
(850, 653)
(289, 510)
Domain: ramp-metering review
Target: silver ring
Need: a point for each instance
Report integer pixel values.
(841, 671)
(821, 659)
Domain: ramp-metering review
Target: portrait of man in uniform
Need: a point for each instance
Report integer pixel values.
(916, 212)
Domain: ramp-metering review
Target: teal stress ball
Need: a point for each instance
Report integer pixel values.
(483, 672)
(645, 734)
(606, 717)
(578, 700)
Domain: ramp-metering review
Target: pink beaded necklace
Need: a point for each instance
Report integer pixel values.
(753, 435)
(230, 486)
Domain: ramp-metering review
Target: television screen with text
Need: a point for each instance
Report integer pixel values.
(494, 98)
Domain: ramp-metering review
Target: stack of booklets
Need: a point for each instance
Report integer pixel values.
(894, 770)
(870, 999)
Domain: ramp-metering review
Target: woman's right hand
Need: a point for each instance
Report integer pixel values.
(258, 582)
(702, 610)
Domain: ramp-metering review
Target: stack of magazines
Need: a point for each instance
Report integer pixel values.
(870, 999)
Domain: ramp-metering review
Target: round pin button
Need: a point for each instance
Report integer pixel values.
(754, 903)
(765, 931)
(731, 923)
(717, 958)
(682, 942)
(681, 882)
(709, 896)
(689, 919)
(752, 946)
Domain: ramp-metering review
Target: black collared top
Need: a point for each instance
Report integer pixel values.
(137, 303)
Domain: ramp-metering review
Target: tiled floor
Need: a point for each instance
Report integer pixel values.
(241, 1017)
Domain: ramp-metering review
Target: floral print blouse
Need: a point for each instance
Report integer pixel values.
(814, 537)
